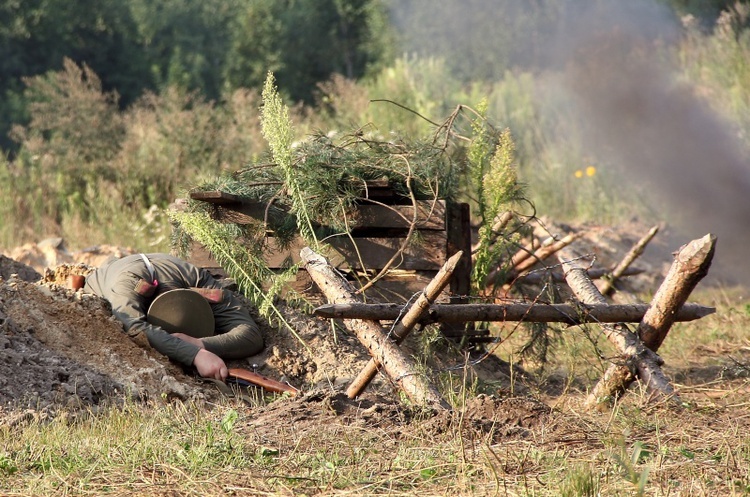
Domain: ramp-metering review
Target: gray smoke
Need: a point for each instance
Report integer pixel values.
(662, 134)
(638, 115)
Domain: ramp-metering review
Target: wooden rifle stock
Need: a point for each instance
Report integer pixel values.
(265, 383)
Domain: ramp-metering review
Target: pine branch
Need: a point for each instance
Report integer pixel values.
(277, 130)
(242, 266)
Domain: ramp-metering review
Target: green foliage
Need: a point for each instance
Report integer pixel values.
(37, 35)
(480, 40)
(185, 43)
(581, 481)
(72, 120)
(305, 42)
(718, 64)
(123, 161)
(493, 182)
(277, 129)
(310, 189)
(629, 465)
(210, 46)
(705, 10)
(89, 172)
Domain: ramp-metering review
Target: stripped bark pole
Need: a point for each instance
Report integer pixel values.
(400, 368)
(502, 220)
(638, 358)
(608, 287)
(691, 264)
(545, 251)
(571, 314)
(526, 251)
(411, 318)
(536, 277)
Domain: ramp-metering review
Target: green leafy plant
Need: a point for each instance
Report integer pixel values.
(580, 481)
(629, 465)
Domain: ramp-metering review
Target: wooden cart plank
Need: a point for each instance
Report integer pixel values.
(426, 255)
(430, 216)
(231, 208)
(216, 197)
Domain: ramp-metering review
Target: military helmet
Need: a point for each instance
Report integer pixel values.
(182, 311)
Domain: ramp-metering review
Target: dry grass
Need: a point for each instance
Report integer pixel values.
(636, 448)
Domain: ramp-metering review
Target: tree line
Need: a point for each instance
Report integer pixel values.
(210, 46)
(109, 108)
(217, 46)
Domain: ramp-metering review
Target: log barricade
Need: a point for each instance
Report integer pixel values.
(379, 227)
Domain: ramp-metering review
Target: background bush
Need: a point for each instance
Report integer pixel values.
(100, 147)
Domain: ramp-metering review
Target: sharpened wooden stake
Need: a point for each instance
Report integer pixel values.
(400, 368)
(412, 317)
(640, 359)
(608, 287)
(691, 264)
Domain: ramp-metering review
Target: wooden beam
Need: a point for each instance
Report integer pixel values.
(425, 254)
(458, 226)
(232, 208)
(691, 264)
(531, 313)
(216, 197)
(410, 319)
(400, 368)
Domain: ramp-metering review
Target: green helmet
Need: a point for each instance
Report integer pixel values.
(182, 311)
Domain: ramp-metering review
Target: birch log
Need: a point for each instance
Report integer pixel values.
(691, 264)
(412, 317)
(638, 358)
(400, 368)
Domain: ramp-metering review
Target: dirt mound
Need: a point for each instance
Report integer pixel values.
(52, 252)
(318, 411)
(60, 347)
(10, 267)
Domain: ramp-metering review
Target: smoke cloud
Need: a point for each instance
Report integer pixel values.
(661, 133)
(639, 116)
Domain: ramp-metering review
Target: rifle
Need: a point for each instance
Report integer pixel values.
(241, 376)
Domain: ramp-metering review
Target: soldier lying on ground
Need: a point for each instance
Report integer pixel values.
(134, 284)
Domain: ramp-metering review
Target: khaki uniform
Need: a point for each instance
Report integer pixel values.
(237, 334)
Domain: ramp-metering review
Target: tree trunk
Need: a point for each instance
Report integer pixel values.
(400, 368)
(638, 358)
(531, 313)
(409, 321)
(691, 264)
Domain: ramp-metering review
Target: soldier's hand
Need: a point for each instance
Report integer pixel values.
(209, 365)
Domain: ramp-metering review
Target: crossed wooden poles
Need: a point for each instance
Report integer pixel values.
(637, 348)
